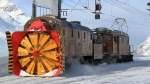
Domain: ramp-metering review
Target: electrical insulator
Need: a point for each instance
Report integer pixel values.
(98, 8)
(148, 4)
(97, 16)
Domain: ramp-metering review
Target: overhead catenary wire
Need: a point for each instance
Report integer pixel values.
(128, 8)
(79, 1)
(133, 22)
(80, 4)
(80, 7)
(74, 7)
(131, 12)
(114, 3)
(111, 2)
(89, 11)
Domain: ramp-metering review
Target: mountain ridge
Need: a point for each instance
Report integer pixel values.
(12, 19)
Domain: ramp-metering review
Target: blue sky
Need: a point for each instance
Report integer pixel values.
(133, 10)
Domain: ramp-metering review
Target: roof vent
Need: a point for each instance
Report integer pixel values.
(64, 19)
(76, 22)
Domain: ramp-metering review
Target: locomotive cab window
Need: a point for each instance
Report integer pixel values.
(84, 35)
(78, 34)
(72, 33)
(91, 37)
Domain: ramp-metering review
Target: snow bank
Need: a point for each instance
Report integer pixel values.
(144, 48)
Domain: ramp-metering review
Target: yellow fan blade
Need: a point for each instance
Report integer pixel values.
(34, 39)
(30, 68)
(43, 39)
(49, 46)
(25, 43)
(51, 55)
(22, 52)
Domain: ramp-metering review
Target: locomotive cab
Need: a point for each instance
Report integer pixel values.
(111, 46)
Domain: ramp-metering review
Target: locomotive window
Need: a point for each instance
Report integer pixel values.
(78, 34)
(72, 33)
(91, 37)
(84, 35)
(115, 39)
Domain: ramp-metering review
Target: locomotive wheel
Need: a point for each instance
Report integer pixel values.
(38, 53)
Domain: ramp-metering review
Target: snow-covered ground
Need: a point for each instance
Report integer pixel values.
(137, 72)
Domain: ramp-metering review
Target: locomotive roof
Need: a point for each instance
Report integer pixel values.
(61, 22)
(76, 25)
(114, 32)
(120, 32)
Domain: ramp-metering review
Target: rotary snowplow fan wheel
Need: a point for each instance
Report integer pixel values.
(38, 53)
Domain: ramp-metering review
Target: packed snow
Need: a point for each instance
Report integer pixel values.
(137, 72)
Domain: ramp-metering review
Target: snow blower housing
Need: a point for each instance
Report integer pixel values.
(35, 52)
